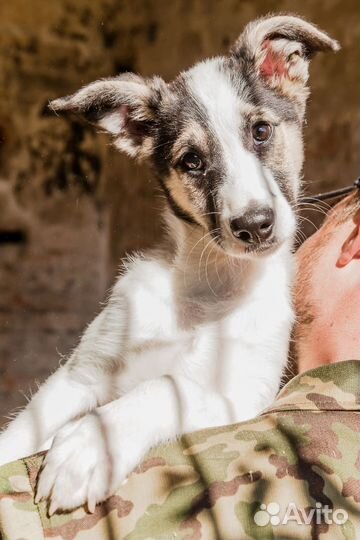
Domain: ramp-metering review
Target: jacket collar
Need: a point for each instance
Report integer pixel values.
(333, 387)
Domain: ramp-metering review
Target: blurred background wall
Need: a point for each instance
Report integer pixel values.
(70, 206)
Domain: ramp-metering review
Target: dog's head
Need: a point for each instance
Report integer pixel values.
(225, 137)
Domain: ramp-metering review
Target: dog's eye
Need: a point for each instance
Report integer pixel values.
(192, 162)
(261, 132)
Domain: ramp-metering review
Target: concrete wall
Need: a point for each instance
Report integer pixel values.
(70, 206)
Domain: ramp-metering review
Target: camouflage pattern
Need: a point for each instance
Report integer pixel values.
(210, 485)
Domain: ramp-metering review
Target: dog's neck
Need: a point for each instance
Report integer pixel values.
(204, 273)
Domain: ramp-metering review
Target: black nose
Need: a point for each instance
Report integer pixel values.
(254, 226)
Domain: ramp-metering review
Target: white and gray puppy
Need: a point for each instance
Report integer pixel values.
(194, 335)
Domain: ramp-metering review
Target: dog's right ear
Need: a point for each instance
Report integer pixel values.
(125, 106)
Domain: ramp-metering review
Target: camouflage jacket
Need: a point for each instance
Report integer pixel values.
(291, 473)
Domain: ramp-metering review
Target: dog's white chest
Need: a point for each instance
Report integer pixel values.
(228, 345)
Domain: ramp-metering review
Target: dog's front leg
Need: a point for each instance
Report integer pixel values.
(92, 456)
(81, 385)
(61, 398)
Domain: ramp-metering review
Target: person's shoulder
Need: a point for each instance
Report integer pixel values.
(329, 387)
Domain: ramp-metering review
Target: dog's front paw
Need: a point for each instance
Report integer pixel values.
(81, 466)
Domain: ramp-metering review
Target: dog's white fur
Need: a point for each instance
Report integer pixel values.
(192, 336)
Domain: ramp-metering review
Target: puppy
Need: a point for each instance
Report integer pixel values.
(195, 334)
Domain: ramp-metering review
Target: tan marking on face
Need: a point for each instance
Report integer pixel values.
(183, 189)
(191, 138)
(147, 147)
(133, 149)
(286, 155)
(187, 196)
(255, 114)
(250, 112)
(289, 154)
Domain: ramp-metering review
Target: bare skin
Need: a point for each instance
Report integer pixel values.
(327, 294)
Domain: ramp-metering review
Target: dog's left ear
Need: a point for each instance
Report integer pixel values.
(278, 49)
(126, 106)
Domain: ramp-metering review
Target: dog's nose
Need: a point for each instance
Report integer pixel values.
(254, 226)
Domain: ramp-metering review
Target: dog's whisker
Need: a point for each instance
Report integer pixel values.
(185, 271)
(205, 214)
(307, 220)
(325, 204)
(311, 209)
(206, 267)
(217, 269)
(195, 245)
(201, 257)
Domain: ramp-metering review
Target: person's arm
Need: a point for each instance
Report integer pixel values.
(220, 482)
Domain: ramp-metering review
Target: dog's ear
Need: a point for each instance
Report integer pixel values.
(278, 49)
(125, 106)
